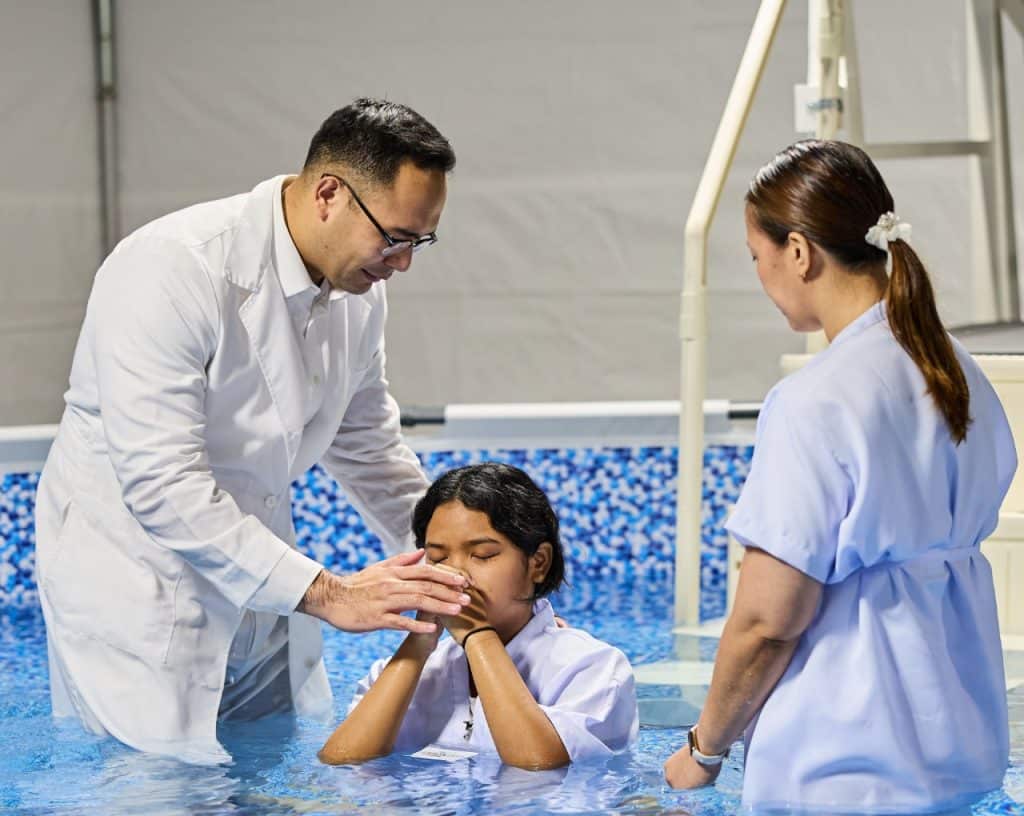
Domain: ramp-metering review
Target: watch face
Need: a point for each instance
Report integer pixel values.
(691, 739)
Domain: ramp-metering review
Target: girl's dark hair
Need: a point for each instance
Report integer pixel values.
(516, 507)
(831, 193)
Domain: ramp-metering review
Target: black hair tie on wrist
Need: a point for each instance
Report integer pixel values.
(474, 631)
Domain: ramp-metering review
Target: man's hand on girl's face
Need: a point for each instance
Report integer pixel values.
(375, 597)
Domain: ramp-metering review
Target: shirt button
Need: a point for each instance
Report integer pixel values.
(270, 502)
(316, 379)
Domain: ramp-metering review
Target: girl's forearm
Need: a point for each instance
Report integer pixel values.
(523, 735)
(371, 729)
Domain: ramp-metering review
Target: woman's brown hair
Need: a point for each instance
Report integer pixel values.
(831, 193)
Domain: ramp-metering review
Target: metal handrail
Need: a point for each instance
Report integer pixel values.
(693, 305)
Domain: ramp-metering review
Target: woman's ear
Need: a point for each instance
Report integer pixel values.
(540, 563)
(801, 256)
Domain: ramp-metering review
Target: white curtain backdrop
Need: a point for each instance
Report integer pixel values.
(49, 200)
(581, 129)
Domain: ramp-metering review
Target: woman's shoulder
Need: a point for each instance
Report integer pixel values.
(802, 397)
(845, 384)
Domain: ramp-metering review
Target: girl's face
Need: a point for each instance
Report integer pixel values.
(504, 575)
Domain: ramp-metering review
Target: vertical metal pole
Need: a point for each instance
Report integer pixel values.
(1003, 175)
(853, 112)
(830, 49)
(106, 101)
(1014, 10)
(994, 250)
(814, 9)
(825, 40)
(693, 309)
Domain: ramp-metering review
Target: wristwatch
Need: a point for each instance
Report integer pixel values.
(708, 760)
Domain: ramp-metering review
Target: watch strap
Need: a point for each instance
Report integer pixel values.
(708, 760)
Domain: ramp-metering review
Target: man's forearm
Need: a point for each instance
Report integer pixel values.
(746, 670)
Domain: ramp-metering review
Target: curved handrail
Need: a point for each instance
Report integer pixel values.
(692, 313)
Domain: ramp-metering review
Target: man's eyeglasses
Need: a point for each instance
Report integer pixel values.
(395, 246)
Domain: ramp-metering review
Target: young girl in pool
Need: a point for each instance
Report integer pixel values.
(509, 679)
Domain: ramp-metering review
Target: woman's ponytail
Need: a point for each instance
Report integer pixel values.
(915, 323)
(832, 193)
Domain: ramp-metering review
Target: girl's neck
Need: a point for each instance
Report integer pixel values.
(508, 629)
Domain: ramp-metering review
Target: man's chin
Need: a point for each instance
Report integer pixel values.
(356, 283)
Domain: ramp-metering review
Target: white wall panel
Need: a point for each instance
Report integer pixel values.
(581, 129)
(49, 204)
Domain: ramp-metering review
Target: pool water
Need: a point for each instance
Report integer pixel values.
(53, 767)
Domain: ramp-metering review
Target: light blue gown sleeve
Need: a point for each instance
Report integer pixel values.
(798, 492)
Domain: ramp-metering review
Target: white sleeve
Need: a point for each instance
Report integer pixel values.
(379, 473)
(592, 705)
(155, 324)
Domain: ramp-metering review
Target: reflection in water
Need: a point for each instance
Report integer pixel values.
(49, 768)
(483, 785)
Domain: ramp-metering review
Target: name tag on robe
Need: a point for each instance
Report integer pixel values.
(436, 752)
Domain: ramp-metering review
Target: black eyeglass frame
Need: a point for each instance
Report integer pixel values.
(395, 246)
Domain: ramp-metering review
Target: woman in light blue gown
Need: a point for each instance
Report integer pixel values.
(862, 657)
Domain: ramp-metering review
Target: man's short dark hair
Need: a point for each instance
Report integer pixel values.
(374, 137)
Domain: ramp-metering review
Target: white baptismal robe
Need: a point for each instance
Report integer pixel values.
(584, 686)
(168, 575)
(255, 682)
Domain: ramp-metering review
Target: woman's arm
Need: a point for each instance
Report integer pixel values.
(523, 734)
(371, 728)
(775, 604)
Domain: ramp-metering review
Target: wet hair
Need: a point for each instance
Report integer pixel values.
(374, 137)
(513, 503)
(831, 193)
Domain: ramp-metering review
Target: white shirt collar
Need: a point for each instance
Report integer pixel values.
(291, 271)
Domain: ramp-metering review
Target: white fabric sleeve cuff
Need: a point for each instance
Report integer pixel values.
(286, 584)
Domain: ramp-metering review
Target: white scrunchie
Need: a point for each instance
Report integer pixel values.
(888, 229)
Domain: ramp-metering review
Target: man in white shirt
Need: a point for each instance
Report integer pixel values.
(227, 348)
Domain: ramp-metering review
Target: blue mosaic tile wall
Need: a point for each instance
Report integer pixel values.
(616, 507)
(18, 540)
